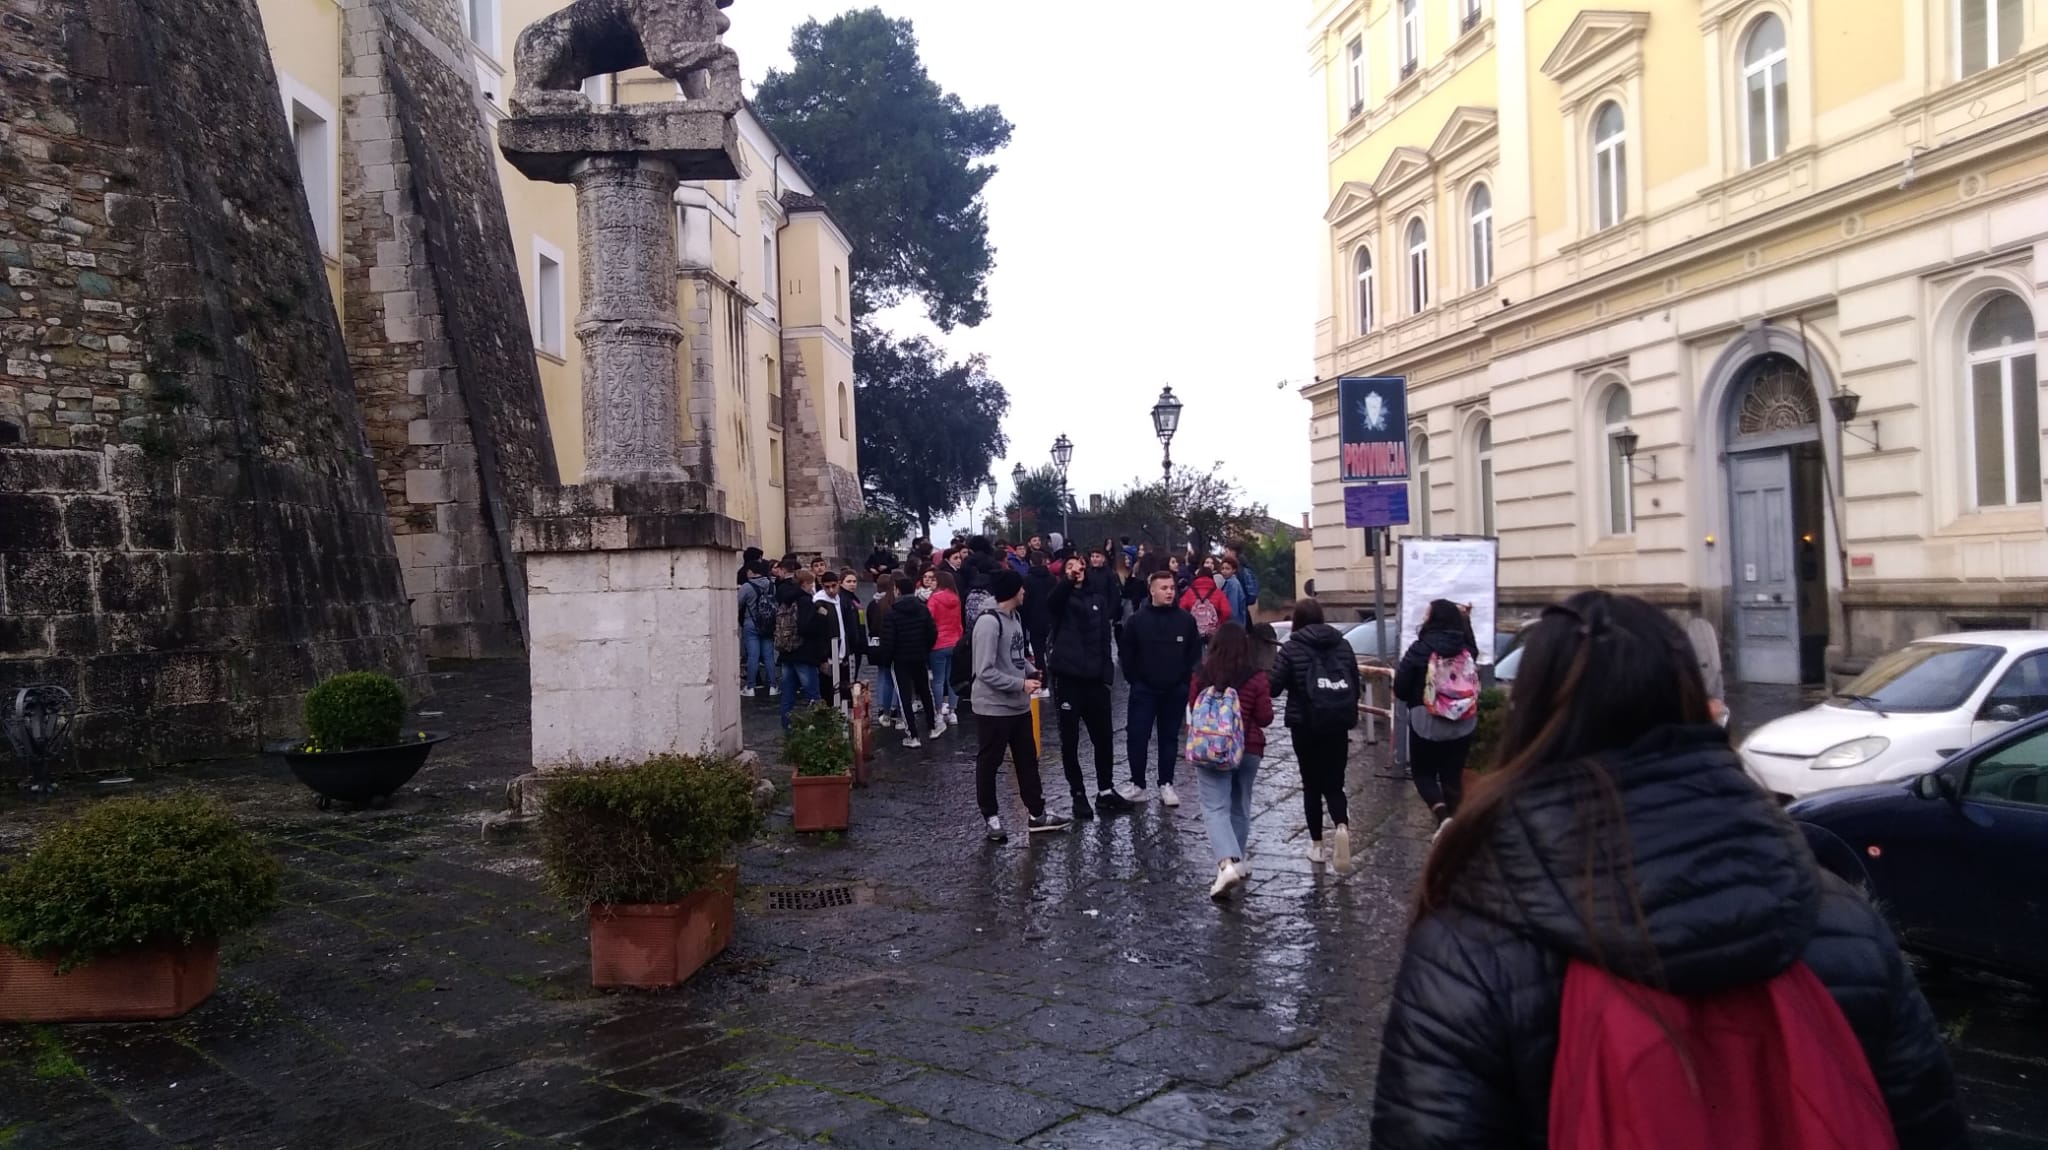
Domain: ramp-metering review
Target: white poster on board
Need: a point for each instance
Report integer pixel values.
(1461, 570)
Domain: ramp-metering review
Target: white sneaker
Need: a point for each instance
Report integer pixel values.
(911, 742)
(1317, 852)
(1226, 877)
(1131, 793)
(1343, 849)
(1244, 871)
(938, 726)
(1166, 795)
(1439, 832)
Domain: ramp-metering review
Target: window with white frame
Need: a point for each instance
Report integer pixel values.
(480, 21)
(768, 277)
(490, 85)
(550, 299)
(599, 89)
(1987, 33)
(839, 293)
(1418, 266)
(1368, 289)
(1410, 33)
(774, 462)
(1483, 440)
(1479, 231)
(1354, 75)
(2005, 411)
(1618, 489)
(1418, 483)
(1766, 115)
(1468, 14)
(313, 140)
(1610, 166)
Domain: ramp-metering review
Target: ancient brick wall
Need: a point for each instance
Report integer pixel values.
(437, 327)
(821, 494)
(190, 528)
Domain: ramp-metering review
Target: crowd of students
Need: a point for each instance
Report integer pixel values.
(1619, 939)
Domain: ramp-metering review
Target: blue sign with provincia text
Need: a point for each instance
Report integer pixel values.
(1372, 428)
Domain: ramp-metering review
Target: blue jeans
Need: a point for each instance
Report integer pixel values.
(1155, 712)
(1227, 806)
(885, 691)
(757, 654)
(797, 676)
(942, 679)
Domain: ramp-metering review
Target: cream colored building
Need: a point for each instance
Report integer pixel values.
(767, 371)
(1691, 229)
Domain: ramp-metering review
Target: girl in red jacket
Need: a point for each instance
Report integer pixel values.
(945, 607)
(1227, 795)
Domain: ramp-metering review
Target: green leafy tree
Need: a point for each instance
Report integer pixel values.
(1191, 508)
(1036, 504)
(1271, 557)
(929, 430)
(898, 158)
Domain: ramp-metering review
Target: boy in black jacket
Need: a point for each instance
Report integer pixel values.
(908, 634)
(1082, 617)
(817, 625)
(1159, 649)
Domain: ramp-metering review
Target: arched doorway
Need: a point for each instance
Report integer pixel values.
(1777, 510)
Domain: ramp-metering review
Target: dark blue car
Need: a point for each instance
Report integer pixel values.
(1957, 859)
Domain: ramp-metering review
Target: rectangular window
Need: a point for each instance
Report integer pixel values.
(1411, 36)
(550, 300)
(490, 85)
(1988, 33)
(838, 293)
(313, 140)
(1471, 21)
(599, 90)
(2005, 410)
(774, 462)
(1354, 75)
(768, 268)
(480, 18)
(1621, 518)
(1486, 495)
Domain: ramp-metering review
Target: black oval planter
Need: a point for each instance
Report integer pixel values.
(365, 777)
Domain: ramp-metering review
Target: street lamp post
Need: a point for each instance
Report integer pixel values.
(1166, 421)
(1063, 454)
(991, 496)
(1017, 477)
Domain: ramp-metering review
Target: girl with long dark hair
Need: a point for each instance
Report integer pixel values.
(1621, 836)
(1440, 728)
(1227, 794)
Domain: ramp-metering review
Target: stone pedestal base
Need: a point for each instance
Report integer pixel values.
(632, 614)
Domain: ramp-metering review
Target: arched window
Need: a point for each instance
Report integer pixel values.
(1484, 441)
(1987, 33)
(1418, 266)
(1479, 226)
(1610, 166)
(1766, 112)
(1367, 290)
(845, 414)
(1620, 482)
(1418, 482)
(2005, 412)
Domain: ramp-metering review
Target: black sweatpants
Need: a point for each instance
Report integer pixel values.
(1322, 756)
(1439, 770)
(995, 735)
(1085, 702)
(914, 679)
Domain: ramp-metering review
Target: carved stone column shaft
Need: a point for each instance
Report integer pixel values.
(626, 231)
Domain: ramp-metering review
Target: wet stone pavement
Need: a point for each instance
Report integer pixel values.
(1069, 991)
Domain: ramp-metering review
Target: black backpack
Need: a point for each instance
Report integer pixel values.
(1332, 689)
(761, 612)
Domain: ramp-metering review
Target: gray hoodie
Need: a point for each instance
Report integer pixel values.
(1000, 667)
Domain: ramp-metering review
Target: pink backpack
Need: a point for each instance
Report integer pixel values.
(1452, 692)
(1207, 618)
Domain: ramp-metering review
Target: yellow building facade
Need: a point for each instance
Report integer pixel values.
(1729, 303)
(767, 365)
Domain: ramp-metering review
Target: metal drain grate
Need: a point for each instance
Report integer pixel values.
(812, 898)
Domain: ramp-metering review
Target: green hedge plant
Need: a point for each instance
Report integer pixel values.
(353, 711)
(133, 873)
(819, 742)
(650, 832)
(1493, 712)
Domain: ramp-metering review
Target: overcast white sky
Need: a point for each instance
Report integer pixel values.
(1155, 220)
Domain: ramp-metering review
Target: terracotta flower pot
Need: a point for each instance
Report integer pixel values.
(821, 802)
(159, 982)
(661, 944)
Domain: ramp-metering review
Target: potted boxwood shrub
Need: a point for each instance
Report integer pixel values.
(645, 847)
(355, 750)
(819, 749)
(116, 915)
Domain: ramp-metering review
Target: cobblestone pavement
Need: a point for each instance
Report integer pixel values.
(1077, 990)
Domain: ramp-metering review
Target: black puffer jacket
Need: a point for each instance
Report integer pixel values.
(1081, 626)
(1306, 649)
(1730, 897)
(1037, 609)
(908, 633)
(1411, 677)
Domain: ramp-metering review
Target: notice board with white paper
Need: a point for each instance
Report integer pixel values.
(1463, 570)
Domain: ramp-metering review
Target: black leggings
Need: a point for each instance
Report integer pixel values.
(1085, 701)
(913, 678)
(1322, 756)
(1439, 770)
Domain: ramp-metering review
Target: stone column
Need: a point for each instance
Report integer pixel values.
(632, 606)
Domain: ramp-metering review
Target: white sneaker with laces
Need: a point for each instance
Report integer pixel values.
(911, 742)
(1131, 793)
(1166, 795)
(1226, 877)
(1343, 849)
(938, 726)
(1317, 852)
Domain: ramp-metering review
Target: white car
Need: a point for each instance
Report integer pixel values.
(1907, 714)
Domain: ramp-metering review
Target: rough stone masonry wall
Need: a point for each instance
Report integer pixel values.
(821, 494)
(437, 325)
(191, 533)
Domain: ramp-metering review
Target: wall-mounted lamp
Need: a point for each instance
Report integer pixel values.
(1625, 441)
(1844, 403)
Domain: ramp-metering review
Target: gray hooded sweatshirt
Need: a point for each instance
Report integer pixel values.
(1000, 667)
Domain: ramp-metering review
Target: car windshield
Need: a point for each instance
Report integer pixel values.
(1920, 677)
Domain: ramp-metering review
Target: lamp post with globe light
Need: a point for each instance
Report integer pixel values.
(1063, 454)
(1017, 477)
(991, 484)
(1166, 421)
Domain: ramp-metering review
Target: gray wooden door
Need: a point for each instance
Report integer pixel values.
(1765, 598)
